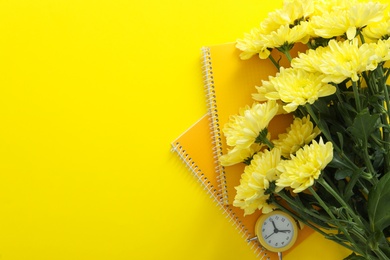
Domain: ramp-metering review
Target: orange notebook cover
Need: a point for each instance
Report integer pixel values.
(196, 149)
(229, 84)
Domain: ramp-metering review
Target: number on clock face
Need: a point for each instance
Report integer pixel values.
(277, 231)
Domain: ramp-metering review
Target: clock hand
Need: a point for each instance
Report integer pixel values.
(285, 231)
(273, 223)
(269, 235)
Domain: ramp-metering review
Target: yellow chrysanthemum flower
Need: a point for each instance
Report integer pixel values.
(327, 6)
(297, 87)
(255, 181)
(251, 204)
(378, 30)
(263, 90)
(237, 155)
(338, 61)
(286, 35)
(305, 167)
(323, 16)
(342, 21)
(309, 61)
(382, 49)
(362, 14)
(253, 44)
(243, 129)
(331, 24)
(301, 132)
(345, 60)
(292, 12)
(380, 53)
(285, 25)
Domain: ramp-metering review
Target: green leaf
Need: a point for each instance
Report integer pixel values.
(354, 256)
(343, 173)
(378, 204)
(363, 125)
(341, 140)
(339, 161)
(322, 106)
(348, 191)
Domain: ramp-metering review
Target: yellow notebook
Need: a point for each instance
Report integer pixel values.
(196, 149)
(229, 83)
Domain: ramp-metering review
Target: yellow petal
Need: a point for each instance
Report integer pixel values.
(351, 33)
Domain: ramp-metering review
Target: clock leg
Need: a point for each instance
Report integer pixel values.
(280, 255)
(252, 239)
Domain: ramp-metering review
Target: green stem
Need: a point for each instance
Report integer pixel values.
(307, 223)
(286, 210)
(356, 94)
(341, 101)
(367, 161)
(363, 187)
(268, 143)
(385, 119)
(276, 64)
(326, 133)
(361, 36)
(387, 99)
(366, 156)
(262, 138)
(380, 254)
(359, 236)
(339, 225)
(288, 55)
(313, 115)
(304, 209)
(342, 202)
(323, 129)
(387, 74)
(285, 49)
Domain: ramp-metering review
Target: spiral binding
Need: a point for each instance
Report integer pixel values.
(223, 199)
(213, 191)
(208, 78)
(216, 195)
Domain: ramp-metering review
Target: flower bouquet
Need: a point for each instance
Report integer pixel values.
(331, 168)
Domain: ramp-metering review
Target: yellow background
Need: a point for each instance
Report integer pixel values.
(92, 93)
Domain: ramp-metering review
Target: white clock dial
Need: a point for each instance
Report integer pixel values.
(276, 231)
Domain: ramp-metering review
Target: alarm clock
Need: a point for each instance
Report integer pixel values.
(276, 231)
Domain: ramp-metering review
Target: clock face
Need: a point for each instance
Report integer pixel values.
(276, 231)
